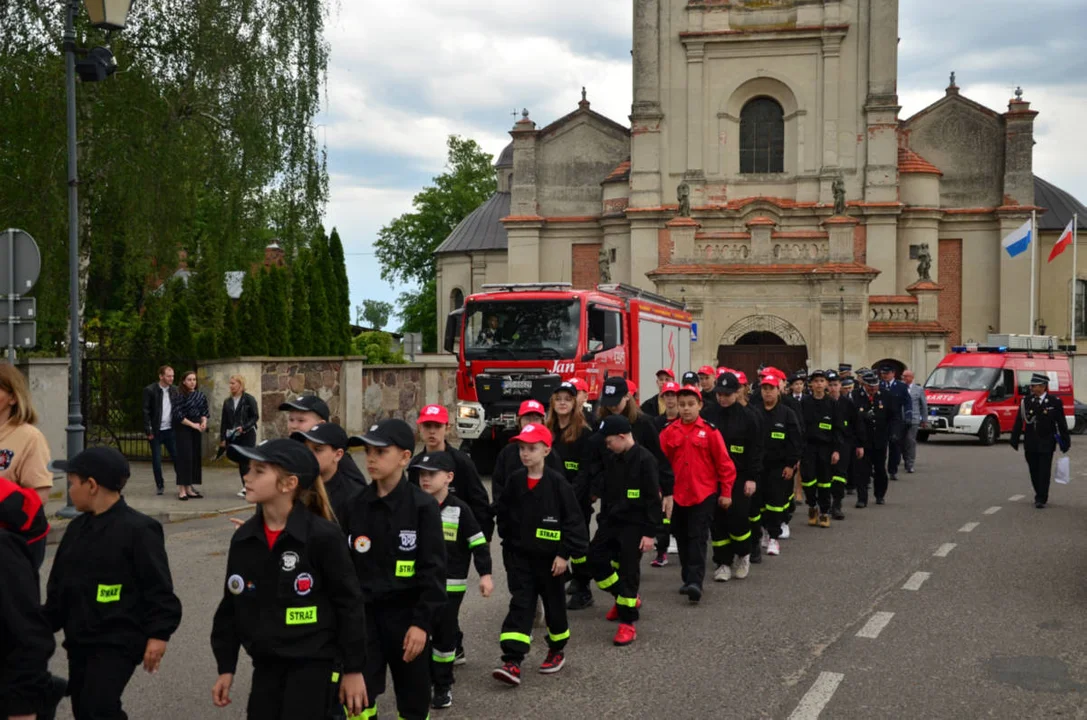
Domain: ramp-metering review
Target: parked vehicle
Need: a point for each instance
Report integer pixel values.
(520, 341)
(977, 390)
(1081, 418)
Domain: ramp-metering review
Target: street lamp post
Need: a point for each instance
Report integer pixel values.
(108, 15)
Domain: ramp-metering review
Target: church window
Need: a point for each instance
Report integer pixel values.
(456, 298)
(762, 137)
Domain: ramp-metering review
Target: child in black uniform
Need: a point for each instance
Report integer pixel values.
(328, 442)
(290, 598)
(541, 528)
(110, 587)
(464, 539)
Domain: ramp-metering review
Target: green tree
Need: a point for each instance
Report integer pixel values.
(273, 296)
(229, 339)
(377, 347)
(375, 313)
(405, 247)
(301, 314)
(253, 327)
(318, 271)
(179, 339)
(340, 310)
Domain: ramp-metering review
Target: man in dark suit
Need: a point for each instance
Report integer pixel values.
(1042, 426)
(158, 401)
(900, 416)
(654, 406)
(873, 411)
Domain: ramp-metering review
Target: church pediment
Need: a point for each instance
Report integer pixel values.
(583, 118)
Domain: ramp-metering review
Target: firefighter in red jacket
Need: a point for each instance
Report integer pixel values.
(704, 475)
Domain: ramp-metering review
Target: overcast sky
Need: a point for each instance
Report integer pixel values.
(405, 75)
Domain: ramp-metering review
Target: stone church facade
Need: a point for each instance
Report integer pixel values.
(748, 116)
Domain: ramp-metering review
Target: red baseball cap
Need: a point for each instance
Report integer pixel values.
(580, 384)
(690, 390)
(668, 372)
(632, 388)
(707, 370)
(722, 370)
(741, 376)
(532, 433)
(771, 376)
(531, 406)
(669, 387)
(433, 414)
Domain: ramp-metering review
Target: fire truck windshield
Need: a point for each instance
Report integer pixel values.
(521, 329)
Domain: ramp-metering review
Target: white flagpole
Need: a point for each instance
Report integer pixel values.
(1075, 228)
(1033, 254)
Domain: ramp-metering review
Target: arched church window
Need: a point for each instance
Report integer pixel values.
(762, 137)
(456, 299)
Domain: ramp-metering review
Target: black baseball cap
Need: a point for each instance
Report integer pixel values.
(794, 377)
(307, 403)
(689, 378)
(106, 465)
(292, 456)
(615, 389)
(324, 434)
(389, 432)
(727, 384)
(831, 376)
(615, 425)
(817, 374)
(436, 461)
(567, 387)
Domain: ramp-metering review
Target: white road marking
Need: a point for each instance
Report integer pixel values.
(875, 625)
(968, 527)
(1016, 498)
(816, 698)
(944, 550)
(916, 581)
(993, 510)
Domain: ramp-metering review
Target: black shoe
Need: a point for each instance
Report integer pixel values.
(684, 588)
(574, 587)
(460, 658)
(894, 477)
(756, 553)
(159, 491)
(879, 501)
(1039, 505)
(580, 601)
(861, 505)
(909, 470)
(443, 698)
(836, 513)
(850, 491)
(694, 593)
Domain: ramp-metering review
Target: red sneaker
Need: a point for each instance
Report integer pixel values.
(509, 673)
(613, 614)
(553, 662)
(625, 635)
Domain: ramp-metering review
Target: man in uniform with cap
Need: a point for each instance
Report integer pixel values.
(852, 438)
(874, 411)
(305, 411)
(654, 406)
(822, 449)
(1042, 426)
(900, 416)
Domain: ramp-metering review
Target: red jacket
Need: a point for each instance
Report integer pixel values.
(700, 461)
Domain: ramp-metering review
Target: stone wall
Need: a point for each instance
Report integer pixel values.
(281, 379)
(399, 391)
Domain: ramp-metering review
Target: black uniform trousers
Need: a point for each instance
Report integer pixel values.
(580, 570)
(386, 626)
(187, 463)
(691, 526)
(777, 500)
(289, 689)
(871, 468)
(664, 535)
(730, 534)
(840, 476)
(817, 472)
(97, 677)
(1040, 465)
(894, 447)
(528, 576)
(621, 541)
(445, 639)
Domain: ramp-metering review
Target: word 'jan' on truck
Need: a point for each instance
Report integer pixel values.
(516, 342)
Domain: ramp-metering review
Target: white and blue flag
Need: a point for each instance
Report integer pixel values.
(1018, 240)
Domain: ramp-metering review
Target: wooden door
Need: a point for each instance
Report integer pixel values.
(748, 358)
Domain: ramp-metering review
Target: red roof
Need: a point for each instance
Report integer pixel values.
(621, 172)
(911, 162)
(892, 299)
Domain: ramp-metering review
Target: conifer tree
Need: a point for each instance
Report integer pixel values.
(319, 281)
(229, 340)
(340, 310)
(179, 337)
(274, 299)
(301, 316)
(253, 332)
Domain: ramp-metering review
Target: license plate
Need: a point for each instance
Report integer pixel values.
(516, 386)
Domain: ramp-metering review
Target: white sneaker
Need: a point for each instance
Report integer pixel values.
(672, 547)
(784, 531)
(743, 567)
(772, 547)
(723, 573)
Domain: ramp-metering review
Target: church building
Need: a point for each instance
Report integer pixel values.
(767, 180)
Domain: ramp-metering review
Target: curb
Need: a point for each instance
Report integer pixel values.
(58, 527)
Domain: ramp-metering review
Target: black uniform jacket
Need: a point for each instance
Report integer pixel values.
(783, 438)
(509, 461)
(647, 435)
(662, 421)
(875, 412)
(545, 521)
(822, 424)
(466, 485)
(342, 493)
(399, 553)
(651, 407)
(464, 540)
(790, 401)
(26, 640)
(351, 471)
(299, 600)
(853, 428)
(631, 494)
(110, 584)
(741, 429)
(1041, 423)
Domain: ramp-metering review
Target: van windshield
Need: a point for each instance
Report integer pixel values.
(956, 377)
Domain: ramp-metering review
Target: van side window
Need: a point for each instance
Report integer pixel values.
(1007, 381)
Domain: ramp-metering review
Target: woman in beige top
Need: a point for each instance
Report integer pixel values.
(24, 453)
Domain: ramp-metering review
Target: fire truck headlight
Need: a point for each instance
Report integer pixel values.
(967, 408)
(467, 412)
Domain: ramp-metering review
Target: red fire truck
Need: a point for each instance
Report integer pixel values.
(520, 341)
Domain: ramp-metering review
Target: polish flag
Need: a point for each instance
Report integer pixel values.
(1062, 242)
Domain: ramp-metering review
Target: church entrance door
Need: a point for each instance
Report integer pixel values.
(762, 348)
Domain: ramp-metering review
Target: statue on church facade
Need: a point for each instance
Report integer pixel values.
(683, 194)
(605, 266)
(924, 263)
(838, 188)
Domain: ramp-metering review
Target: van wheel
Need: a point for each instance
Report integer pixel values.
(989, 432)
(922, 435)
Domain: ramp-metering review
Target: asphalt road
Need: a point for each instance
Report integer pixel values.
(903, 611)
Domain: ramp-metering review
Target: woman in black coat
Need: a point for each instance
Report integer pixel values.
(190, 423)
(238, 425)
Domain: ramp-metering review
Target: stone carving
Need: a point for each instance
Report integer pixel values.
(683, 194)
(807, 251)
(838, 188)
(605, 265)
(893, 313)
(763, 323)
(734, 251)
(924, 263)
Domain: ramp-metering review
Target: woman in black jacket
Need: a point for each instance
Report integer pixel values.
(238, 425)
(190, 423)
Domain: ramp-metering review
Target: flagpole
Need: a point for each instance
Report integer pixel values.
(1033, 254)
(1075, 229)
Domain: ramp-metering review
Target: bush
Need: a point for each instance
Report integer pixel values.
(377, 347)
